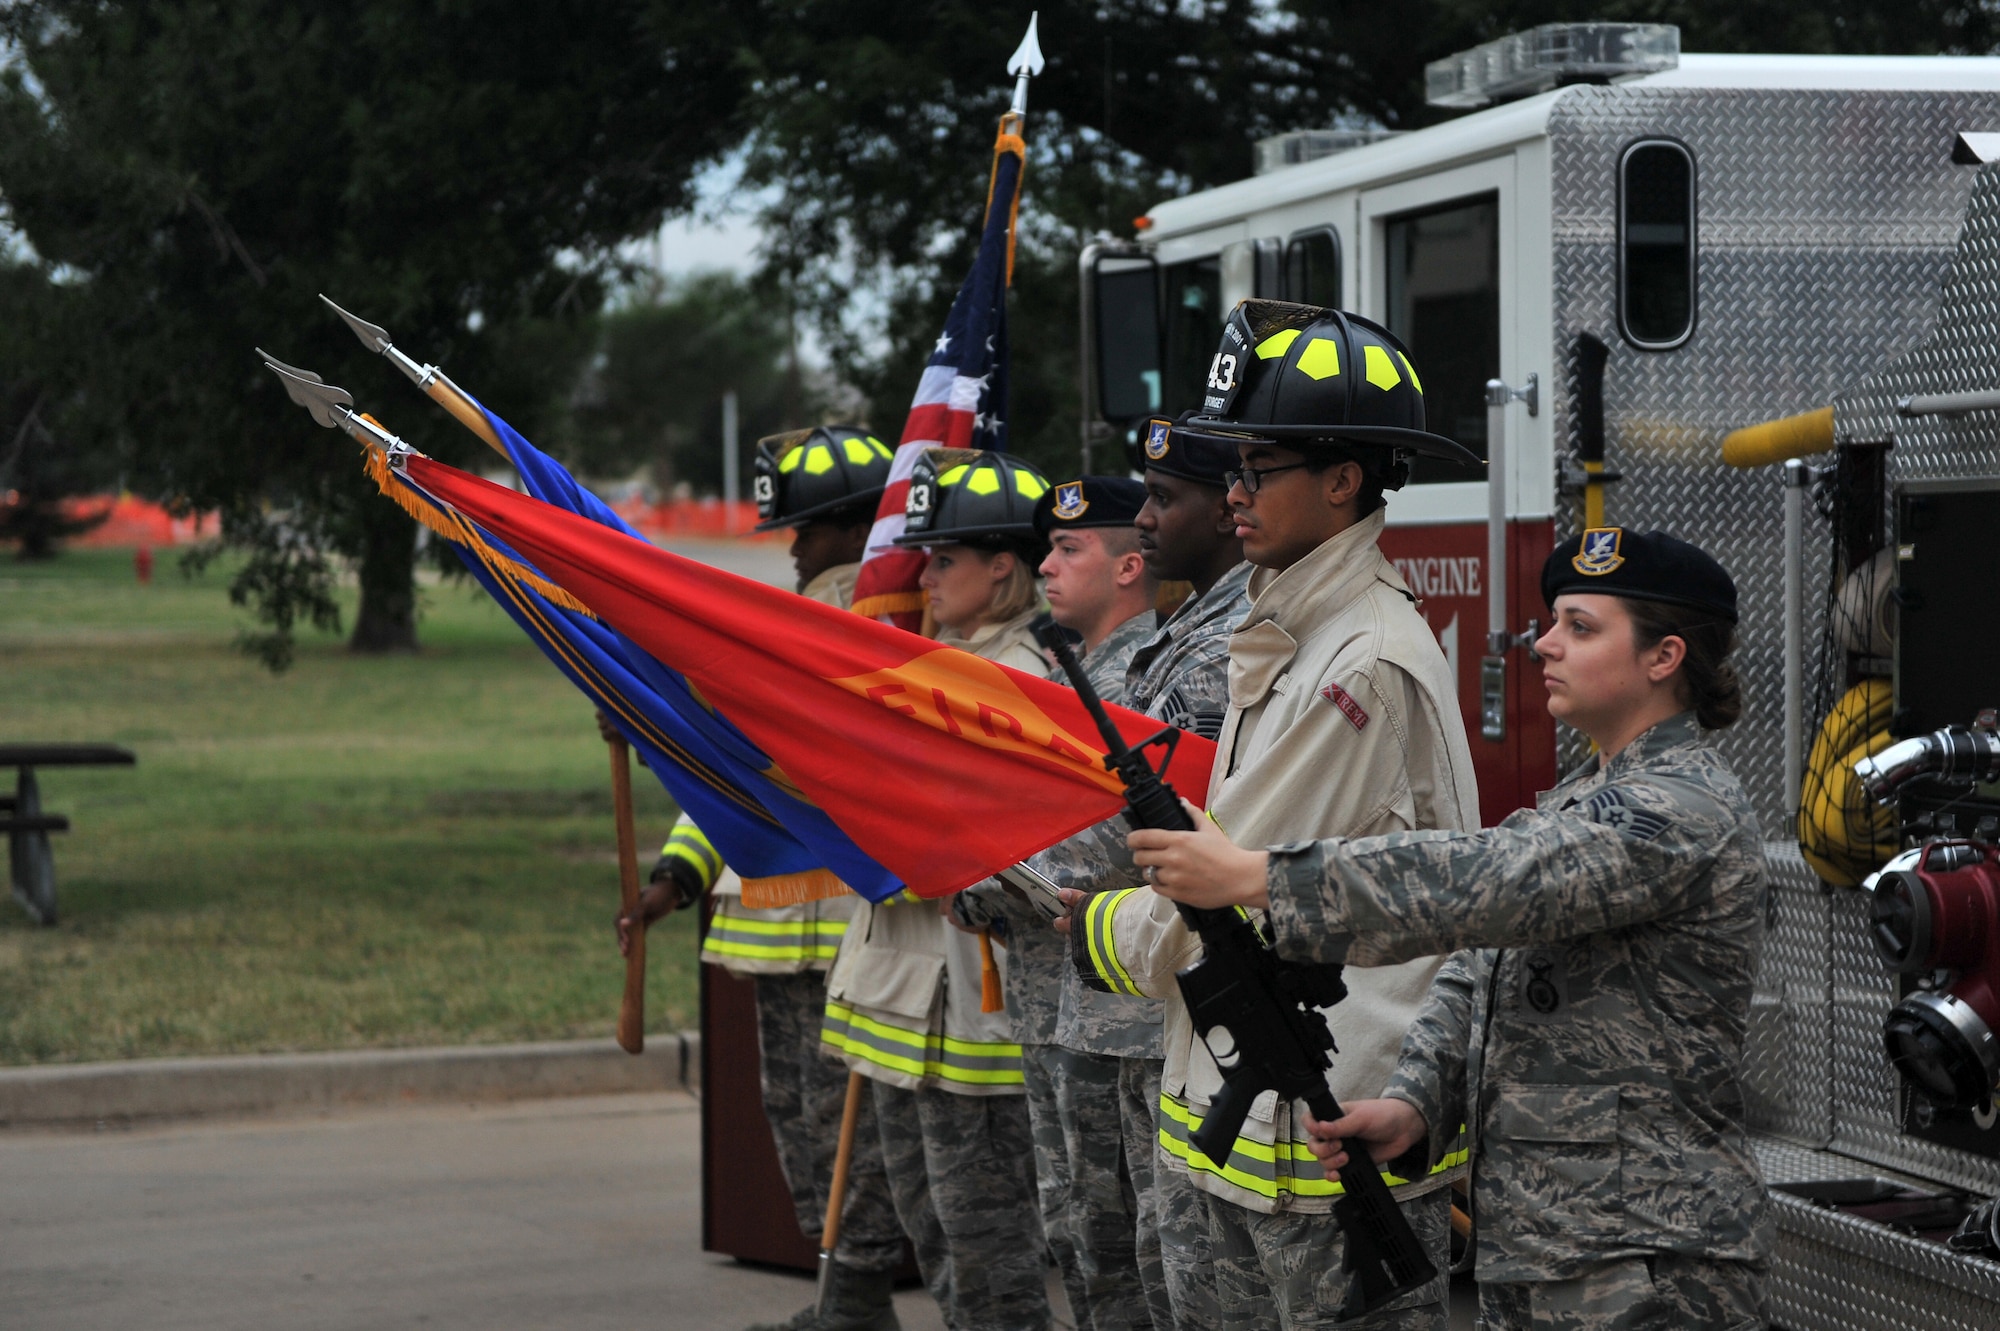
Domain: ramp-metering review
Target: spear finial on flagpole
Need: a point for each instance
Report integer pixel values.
(1024, 64)
(331, 406)
(437, 385)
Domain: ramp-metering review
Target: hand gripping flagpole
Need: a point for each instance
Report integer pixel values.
(333, 407)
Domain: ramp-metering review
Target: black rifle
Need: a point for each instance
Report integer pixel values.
(1259, 1017)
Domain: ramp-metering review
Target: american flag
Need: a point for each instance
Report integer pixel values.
(961, 401)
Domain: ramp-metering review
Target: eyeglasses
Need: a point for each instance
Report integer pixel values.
(1252, 478)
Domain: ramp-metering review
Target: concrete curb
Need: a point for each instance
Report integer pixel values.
(166, 1088)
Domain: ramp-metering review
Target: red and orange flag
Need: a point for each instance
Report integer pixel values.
(942, 766)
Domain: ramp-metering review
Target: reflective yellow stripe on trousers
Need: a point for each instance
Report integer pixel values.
(1262, 1168)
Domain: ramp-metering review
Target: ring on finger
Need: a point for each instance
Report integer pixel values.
(1152, 873)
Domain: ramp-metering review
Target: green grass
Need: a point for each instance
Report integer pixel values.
(361, 852)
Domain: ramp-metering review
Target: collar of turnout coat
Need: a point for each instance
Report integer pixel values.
(1288, 605)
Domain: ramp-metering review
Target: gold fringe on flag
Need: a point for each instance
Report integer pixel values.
(791, 889)
(457, 530)
(890, 603)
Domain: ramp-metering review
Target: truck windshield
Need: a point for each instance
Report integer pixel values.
(1443, 287)
(1193, 308)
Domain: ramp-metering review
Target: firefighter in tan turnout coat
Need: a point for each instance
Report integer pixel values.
(1343, 720)
(904, 999)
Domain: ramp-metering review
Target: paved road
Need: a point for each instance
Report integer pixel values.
(573, 1214)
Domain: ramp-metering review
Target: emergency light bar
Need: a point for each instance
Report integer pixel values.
(1553, 54)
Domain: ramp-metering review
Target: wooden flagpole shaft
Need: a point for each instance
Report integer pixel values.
(632, 1008)
(836, 1196)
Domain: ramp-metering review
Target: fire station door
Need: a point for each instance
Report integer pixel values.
(1439, 261)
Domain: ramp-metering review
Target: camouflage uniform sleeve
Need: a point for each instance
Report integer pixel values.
(989, 905)
(1634, 851)
(1094, 860)
(1430, 1070)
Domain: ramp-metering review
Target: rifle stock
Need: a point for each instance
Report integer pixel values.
(1267, 1010)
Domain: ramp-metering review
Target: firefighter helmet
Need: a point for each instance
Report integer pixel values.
(984, 499)
(828, 473)
(1302, 374)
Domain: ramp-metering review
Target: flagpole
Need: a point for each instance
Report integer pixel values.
(632, 1006)
(836, 1196)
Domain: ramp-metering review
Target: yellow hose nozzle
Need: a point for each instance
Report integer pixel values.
(1775, 441)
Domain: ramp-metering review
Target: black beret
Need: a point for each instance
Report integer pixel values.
(1191, 455)
(1089, 501)
(1640, 565)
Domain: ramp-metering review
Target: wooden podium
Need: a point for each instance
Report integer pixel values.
(746, 1209)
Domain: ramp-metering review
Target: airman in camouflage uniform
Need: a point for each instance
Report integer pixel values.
(1594, 1026)
(1058, 1078)
(1087, 1199)
(1180, 676)
(1597, 1031)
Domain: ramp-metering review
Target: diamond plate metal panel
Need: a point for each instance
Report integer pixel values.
(1833, 1272)
(1787, 1074)
(1956, 355)
(1825, 223)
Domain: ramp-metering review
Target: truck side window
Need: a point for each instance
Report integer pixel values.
(1656, 237)
(1312, 267)
(1443, 293)
(1192, 303)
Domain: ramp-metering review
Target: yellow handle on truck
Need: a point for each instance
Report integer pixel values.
(1775, 441)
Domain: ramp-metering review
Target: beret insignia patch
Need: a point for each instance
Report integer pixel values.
(1599, 553)
(1156, 441)
(1070, 503)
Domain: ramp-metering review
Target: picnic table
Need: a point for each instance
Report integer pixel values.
(29, 857)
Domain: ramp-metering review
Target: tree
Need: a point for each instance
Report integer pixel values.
(875, 119)
(652, 392)
(461, 174)
(38, 470)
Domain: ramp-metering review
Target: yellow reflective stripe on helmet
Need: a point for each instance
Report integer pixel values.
(881, 449)
(857, 451)
(1263, 1168)
(1380, 370)
(790, 462)
(819, 460)
(925, 1054)
(1102, 945)
(955, 475)
(1320, 359)
(984, 481)
(1277, 343)
(1411, 370)
(1030, 485)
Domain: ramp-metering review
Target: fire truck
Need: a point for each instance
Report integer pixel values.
(1619, 255)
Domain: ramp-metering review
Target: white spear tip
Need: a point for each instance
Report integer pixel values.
(1027, 57)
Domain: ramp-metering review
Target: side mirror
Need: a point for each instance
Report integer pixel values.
(1122, 333)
